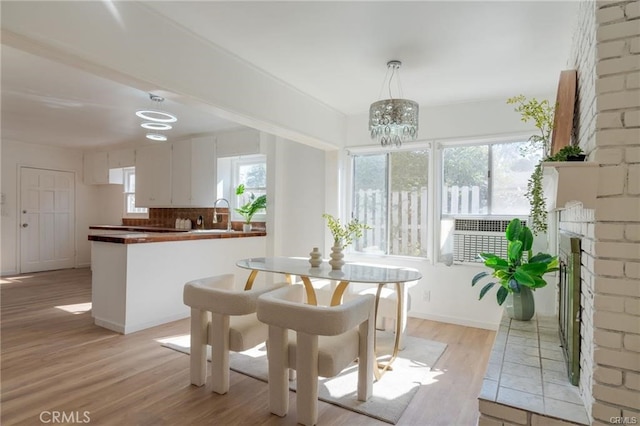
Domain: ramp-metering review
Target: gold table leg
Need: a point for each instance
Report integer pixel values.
(383, 367)
(336, 299)
(251, 279)
(311, 293)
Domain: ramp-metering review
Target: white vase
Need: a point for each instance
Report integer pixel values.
(315, 258)
(246, 227)
(336, 255)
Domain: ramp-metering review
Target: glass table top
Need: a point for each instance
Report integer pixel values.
(352, 272)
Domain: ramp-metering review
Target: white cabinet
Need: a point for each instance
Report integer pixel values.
(193, 173)
(106, 167)
(181, 174)
(153, 176)
(96, 168)
(122, 158)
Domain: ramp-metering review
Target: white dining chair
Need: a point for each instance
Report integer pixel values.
(225, 319)
(327, 339)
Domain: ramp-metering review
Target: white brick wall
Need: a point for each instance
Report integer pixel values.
(606, 53)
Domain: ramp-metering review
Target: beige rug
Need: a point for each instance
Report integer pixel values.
(391, 394)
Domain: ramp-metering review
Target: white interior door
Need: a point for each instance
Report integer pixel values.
(47, 214)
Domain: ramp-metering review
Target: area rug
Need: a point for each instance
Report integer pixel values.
(391, 394)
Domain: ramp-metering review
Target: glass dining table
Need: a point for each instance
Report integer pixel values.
(379, 275)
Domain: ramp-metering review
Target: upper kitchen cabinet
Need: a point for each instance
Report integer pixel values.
(153, 176)
(178, 174)
(193, 173)
(96, 168)
(122, 158)
(106, 167)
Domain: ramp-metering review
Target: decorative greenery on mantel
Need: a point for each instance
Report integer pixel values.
(541, 113)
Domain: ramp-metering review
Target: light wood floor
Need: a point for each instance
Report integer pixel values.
(55, 359)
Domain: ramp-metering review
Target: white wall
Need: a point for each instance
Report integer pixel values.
(91, 201)
(298, 188)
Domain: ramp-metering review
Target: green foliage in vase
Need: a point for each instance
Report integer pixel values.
(516, 271)
(251, 207)
(344, 234)
(566, 153)
(542, 114)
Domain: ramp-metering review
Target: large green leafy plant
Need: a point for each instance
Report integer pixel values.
(252, 206)
(516, 271)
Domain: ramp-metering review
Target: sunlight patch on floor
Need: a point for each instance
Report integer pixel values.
(78, 308)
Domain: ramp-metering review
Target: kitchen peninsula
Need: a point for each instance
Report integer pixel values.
(138, 277)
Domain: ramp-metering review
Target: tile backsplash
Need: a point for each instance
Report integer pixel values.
(166, 218)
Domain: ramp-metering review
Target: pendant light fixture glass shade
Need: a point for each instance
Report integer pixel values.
(393, 121)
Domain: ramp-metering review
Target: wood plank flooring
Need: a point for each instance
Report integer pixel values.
(54, 359)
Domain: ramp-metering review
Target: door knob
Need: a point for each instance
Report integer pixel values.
(24, 225)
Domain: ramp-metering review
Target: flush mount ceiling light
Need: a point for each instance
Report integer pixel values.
(393, 120)
(156, 137)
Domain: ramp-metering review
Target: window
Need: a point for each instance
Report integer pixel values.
(252, 172)
(390, 195)
(130, 209)
(391, 192)
(488, 179)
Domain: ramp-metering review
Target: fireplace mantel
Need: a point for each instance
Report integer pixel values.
(564, 182)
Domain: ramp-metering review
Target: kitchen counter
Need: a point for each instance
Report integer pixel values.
(135, 228)
(165, 236)
(136, 286)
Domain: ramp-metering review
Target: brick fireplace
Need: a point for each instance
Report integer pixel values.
(606, 55)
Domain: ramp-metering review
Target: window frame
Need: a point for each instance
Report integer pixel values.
(126, 175)
(349, 201)
(434, 184)
(236, 163)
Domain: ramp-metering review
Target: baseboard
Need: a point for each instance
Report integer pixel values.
(7, 273)
(456, 321)
(132, 328)
(109, 325)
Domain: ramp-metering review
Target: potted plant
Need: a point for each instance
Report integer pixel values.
(517, 276)
(251, 207)
(542, 114)
(568, 153)
(343, 236)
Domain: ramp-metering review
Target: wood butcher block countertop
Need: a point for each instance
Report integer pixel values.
(149, 234)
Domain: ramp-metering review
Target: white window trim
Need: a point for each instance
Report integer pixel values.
(125, 213)
(434, 185)
(235, 165)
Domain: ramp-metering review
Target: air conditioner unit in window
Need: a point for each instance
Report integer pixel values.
(473, 236)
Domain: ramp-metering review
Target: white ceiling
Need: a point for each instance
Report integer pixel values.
(335, 52)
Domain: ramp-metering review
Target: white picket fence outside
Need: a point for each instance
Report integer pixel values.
(408, 217)
(408, 221)
(461, 200)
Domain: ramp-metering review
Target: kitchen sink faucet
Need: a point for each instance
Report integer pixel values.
(215, 212)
